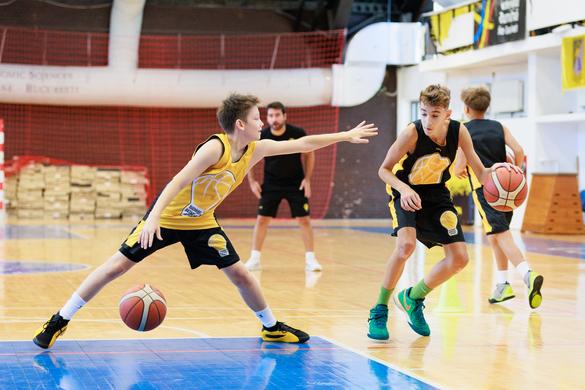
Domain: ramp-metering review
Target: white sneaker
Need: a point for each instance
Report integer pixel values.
(253, 264)
(313, 265)
(311, 278)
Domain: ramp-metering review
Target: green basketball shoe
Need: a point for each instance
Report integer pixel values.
(534, 283)
(502, 293)
(377, 323)
(413, 308)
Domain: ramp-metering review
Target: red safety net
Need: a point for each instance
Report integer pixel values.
(162, 139)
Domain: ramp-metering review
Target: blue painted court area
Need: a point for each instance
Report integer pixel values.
(33, 267)
(210, 363)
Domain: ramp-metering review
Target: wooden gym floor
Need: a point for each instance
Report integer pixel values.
(502, 346)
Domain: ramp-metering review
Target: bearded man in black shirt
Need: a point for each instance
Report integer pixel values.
(284, 178)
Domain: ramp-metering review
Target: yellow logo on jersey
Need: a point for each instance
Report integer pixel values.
(217, 241)
(428, 169)
(208, 190)
(306, 207)
(449, 221)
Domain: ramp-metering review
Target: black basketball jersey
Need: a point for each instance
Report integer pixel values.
(488, 143)
(286, 169)
(426, 170)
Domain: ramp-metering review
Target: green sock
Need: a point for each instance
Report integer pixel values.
(419, 291)
(384, 296)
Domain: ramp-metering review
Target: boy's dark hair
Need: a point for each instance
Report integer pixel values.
(235, 107)
(276, 106)
(477, 99)
(436, 95)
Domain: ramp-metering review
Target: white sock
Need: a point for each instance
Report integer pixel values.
(502, 277)
(255, 255)
(523, 268)
(310, 256)
(266, 317)
(72, 306)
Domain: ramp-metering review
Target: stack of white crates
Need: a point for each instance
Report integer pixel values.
(77, 192)
(133, 189)
(83, 195)
(10, 195)
(57, 190)
(107, 186)
(29, 192)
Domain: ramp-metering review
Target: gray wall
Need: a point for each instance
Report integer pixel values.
(358, 191)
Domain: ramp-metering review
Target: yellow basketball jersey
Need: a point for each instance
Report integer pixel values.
(193, 207)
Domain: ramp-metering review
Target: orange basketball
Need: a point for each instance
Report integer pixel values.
(143, 307)
(505, 190)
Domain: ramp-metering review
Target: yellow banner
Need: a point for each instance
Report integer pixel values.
(572, 62)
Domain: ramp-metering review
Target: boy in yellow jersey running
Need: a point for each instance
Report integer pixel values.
(184, 212)
(415, 170)
(489, 141)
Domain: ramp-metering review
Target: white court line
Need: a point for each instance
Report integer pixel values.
(392, 366)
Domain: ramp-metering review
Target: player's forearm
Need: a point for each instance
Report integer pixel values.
(314, 142)
(165, 198)
(390, 178)
(251, 178)
(309, 165)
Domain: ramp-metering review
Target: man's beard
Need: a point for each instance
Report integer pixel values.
(277, 128)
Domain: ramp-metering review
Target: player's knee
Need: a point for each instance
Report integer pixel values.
(459, 262)
(304, 222)
(242, 279)
(114, 270)
(405, 249)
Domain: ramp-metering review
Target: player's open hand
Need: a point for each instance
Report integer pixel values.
(362, 130)
(306, 185)
(256, 189)
(150, 228)
(510, 167)
(460, 173)
(410, 200)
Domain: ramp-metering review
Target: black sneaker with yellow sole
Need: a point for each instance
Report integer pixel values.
(45, 336)
(284, 334)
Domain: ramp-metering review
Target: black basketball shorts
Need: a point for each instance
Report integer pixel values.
(206, 246)
(436, 224)
(494, 221)
(272, 196)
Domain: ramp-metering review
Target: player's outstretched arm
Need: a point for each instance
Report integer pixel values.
(309, 143)
(207, 155)
(473, 160)
(409, 199)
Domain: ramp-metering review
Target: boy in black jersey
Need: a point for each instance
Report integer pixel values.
(415, 170)
(284, 178)
(489, 141)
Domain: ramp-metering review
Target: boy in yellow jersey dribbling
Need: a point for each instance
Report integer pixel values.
(184, 212)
